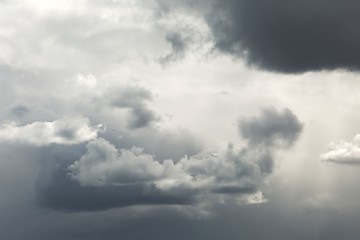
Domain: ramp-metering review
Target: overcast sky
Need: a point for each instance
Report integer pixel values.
(178, 119)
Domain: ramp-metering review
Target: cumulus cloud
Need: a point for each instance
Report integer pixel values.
(343, 152)
(62, 131)
(103, 165)
(126, 177)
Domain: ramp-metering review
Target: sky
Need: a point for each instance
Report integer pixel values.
(179, 119)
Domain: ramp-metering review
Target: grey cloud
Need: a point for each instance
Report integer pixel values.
(141, 117)
(271, 127)
(161, 143)
(179, 45)
(25, 113)
(64, 195)
(57, 190)
(68, 184)
(285, 36)
(312, 225)
(289, 36)
(135, 98)
(130, 96)
(18, 222)
(234, 190)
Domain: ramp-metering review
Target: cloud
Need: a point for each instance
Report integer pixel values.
(105, 178)
(285, 36)
(57, 189)
(343, 152)
(271, 127)
(25, 113)
(102, 165)
(62, 131)
(134, 98)
(185, 33)
(115, 177)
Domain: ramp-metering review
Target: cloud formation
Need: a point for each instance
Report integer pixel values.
(271, 127)
(343, 152)
(62, 131)
(126, 177)
(286, 36)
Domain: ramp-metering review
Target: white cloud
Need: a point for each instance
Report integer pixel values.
(104, 165)
(63, 131)
(86, 80)
(229, 172)
(344, 152)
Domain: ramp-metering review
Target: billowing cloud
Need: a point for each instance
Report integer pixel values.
(169, 87)
(103, 165)
(132, 177)
(62, 131)
(343, 152)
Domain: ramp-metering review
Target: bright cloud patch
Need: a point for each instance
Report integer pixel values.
(62, 131)
(104, 165)
(344, 152)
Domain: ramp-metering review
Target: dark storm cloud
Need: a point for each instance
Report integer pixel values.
(271, 127)
(234, 190)
(288, 36)
(62, 193)
(19, 222)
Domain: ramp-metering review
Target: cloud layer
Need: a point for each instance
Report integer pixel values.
(289, 36)
(284, 36)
